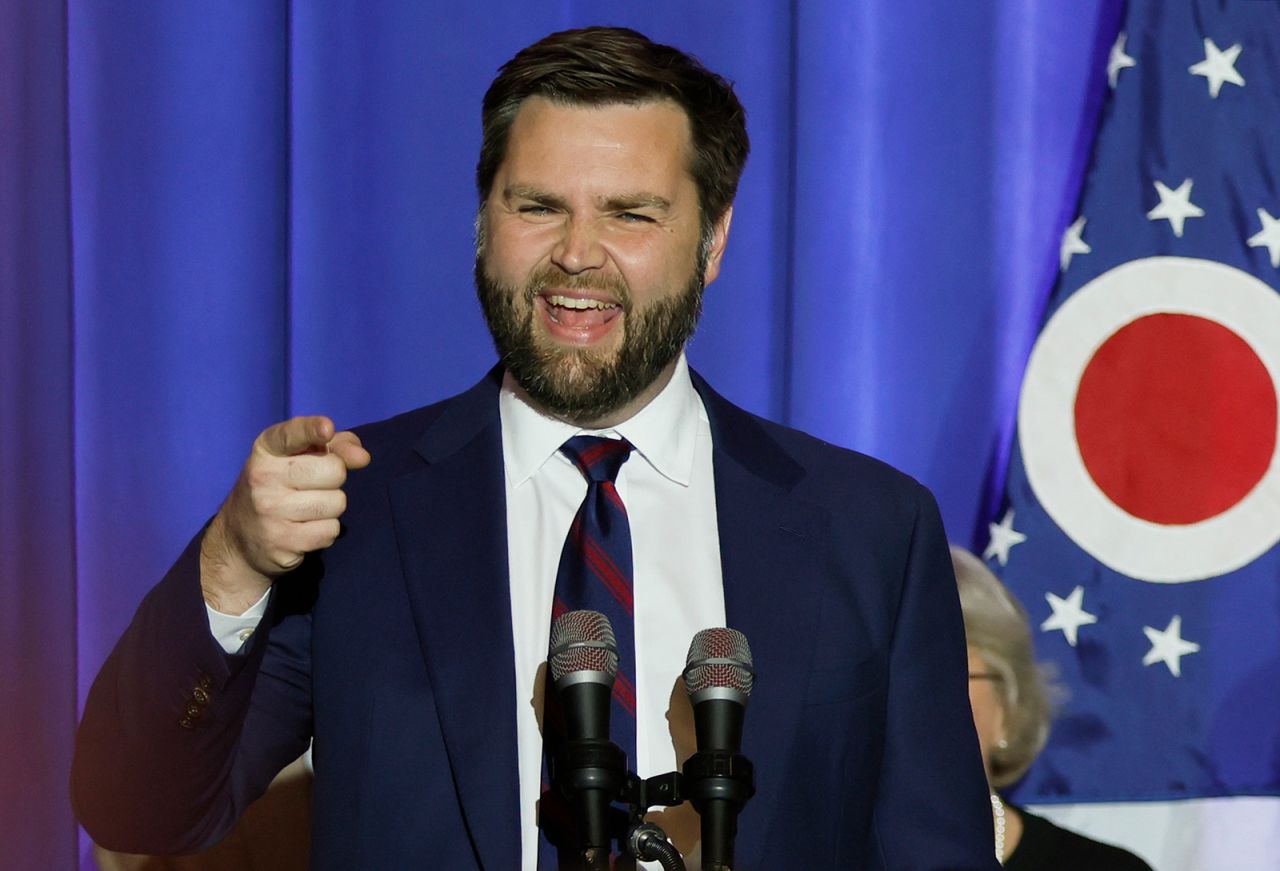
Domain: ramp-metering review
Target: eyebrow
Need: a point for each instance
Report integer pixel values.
(638, 200)
(533, 195)
(616, 203)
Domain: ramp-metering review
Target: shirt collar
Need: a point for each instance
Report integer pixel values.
(664, 432)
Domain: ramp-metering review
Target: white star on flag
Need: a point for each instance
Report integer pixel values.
(1003, 537)
(1072, 243)
(1175, 206)
(1118, 60)
(1068, 615)
(1218, 67)
(1268, 237)
(1168, 646)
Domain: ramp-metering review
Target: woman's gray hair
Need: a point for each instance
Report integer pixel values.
(996, 627)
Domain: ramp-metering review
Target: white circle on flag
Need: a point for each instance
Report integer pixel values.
(1139, 548)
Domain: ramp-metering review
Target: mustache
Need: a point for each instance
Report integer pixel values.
(551, 275)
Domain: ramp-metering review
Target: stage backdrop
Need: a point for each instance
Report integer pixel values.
(214, 216)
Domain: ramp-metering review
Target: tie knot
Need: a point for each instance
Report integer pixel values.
(597, 457)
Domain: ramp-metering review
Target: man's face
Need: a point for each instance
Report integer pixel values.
(589, 264)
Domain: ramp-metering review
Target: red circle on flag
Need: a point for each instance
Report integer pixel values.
(1175, 418)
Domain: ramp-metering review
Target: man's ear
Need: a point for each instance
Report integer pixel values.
(719, 239)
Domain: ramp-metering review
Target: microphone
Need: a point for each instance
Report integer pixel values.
(588, 769)
(583, 660)
(718, 779)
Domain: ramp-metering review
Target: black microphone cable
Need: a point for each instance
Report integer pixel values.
(649, 843)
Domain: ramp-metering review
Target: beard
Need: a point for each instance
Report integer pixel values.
(583, 385)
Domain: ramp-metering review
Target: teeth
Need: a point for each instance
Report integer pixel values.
(576, 303)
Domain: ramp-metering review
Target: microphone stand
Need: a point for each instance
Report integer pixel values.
(647, 841)
(583, 767)
(589, 773)
(718, 783)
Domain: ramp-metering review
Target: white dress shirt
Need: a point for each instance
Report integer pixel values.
(668, 488)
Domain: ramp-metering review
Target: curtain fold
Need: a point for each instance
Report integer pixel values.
(38, 640)
(936, 158)
(179, 161)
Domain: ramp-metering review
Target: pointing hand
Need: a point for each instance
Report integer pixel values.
(286, 503)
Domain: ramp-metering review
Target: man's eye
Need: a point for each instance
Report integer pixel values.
(535, 210)
(633, 218)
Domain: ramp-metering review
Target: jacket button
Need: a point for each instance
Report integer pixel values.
(201, 695)
(193, 710)
(187, 723)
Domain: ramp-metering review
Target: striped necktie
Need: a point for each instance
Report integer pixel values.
(595, 574)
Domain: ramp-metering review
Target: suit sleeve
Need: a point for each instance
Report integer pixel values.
(932, 810)
(178, 736)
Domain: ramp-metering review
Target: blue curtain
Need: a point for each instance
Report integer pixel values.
(213, 216)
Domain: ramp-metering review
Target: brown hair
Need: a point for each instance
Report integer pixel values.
(598, 66)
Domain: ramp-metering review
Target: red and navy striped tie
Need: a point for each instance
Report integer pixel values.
(595, 569)
(595, 574)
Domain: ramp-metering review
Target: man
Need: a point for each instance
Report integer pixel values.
(409, 640)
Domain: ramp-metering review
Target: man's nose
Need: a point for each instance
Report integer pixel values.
(578, 248)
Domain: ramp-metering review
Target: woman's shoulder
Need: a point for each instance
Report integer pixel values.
(1045, 846)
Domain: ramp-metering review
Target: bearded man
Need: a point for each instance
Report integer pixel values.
(410, 640)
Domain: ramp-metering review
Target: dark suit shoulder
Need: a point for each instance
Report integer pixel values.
(399, 432)
(407, 439)
(818, 469)
(821, 456)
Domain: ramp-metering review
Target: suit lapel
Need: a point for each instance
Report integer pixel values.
(450, 521)
(768, 541)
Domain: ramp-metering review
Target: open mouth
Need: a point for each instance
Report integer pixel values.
(576, 318)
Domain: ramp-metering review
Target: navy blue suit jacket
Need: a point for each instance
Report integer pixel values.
(393, 647)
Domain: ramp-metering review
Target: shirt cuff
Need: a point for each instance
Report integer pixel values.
(232, 631)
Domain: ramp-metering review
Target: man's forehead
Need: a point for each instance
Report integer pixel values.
(542, 124)
(566, 111)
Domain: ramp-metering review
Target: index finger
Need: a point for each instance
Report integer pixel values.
(346, 445)
(298, 435)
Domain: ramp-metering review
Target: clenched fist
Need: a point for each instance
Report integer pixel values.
(285, 504)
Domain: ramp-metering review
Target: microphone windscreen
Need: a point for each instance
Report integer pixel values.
(719, 664)
(583, 641)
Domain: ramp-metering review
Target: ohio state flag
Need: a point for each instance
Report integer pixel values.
(1143, 498)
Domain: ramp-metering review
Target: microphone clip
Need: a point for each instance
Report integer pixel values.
(588, 764)
(718, 775)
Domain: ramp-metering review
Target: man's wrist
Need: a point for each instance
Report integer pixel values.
(229, 585)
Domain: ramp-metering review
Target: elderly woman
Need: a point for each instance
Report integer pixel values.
(1011, 712)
